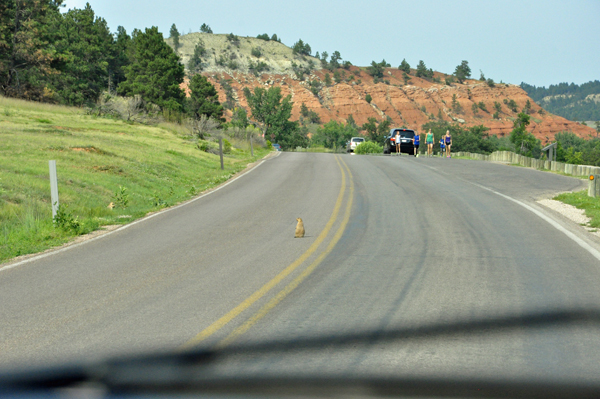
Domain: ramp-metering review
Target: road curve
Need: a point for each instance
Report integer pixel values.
(391, 242)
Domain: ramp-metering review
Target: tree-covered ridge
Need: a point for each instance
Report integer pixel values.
(571, 101)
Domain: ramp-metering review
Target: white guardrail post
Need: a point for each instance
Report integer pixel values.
(594, 186)
(53, 188)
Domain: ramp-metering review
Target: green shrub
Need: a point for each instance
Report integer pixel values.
(256, 51)
(65, 220)
(203, 146)
(226, 146)
(368, 147)
(121, 198)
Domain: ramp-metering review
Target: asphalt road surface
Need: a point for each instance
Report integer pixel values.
(390, 242)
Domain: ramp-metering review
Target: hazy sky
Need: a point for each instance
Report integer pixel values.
(537, 42)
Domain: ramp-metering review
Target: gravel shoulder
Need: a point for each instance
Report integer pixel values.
(570, 212)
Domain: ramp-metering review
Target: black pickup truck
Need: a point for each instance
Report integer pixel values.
(406, 141)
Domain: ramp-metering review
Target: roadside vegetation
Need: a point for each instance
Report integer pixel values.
(581, 200)
(368, 147)
(110, 171)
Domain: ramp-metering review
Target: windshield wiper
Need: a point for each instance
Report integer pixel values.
(175, 373)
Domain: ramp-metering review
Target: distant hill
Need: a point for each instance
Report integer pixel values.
(232, 63)
(231, 53)
(571, 101)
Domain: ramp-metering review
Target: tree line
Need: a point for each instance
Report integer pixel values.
(568, 100)
(72, 58)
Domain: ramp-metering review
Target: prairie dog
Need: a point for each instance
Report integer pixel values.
(299, 229)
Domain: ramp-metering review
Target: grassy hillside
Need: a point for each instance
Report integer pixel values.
(100, 161)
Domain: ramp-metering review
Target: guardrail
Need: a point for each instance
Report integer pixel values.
(513, 158)
(592, 172)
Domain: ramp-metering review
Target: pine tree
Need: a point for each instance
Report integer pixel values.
(174, 34)
(462, 71)
(122, 50)
(155, 72)
(88, 50)
(404, 66)
(421, 70)
(204, 99)
(334, 61)
(195, 62)
(26, 49)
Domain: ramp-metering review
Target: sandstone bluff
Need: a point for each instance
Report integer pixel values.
(410, 104)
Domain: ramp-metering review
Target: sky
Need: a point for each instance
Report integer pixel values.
(511, 41)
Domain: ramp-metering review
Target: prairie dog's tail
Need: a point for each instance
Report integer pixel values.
(299, 229)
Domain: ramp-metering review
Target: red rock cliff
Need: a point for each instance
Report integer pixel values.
(410, 105)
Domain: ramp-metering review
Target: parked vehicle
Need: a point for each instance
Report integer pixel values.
(353, 143)
(276, 147)
(406, 141)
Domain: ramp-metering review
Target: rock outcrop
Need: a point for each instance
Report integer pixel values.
(410, 104)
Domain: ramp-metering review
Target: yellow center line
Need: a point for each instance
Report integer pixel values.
(299, 279)
(232, 314)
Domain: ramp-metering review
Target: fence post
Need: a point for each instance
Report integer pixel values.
(221, 151)
(53, 188)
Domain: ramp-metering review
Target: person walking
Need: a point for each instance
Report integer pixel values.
(398, 143)
(416, 139)
(429, 141)
(448, 142)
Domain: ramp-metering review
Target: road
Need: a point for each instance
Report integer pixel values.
(391, 242)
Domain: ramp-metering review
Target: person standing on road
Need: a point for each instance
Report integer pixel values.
(442, 147)
(398, 143)
(416, 139)
(448, 141)
(429, 141)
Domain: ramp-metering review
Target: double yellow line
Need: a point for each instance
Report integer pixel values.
(232, 314)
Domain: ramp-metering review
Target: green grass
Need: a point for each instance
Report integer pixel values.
(138, 168)
(581, 200)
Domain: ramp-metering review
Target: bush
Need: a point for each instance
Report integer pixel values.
(256, 52)
(368, 147)
(315, 87)
(512, 104)
(65, 220)
(368, 98)
(226, 146)
(121, 198)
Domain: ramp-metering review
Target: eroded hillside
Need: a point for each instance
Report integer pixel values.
(410, 104)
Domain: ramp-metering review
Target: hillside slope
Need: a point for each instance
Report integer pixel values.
(574, 102)
(410, 105)
(225, 53)
(109, 172)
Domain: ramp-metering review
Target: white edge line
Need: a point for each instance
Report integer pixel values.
(593, 251)
(51, 252)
